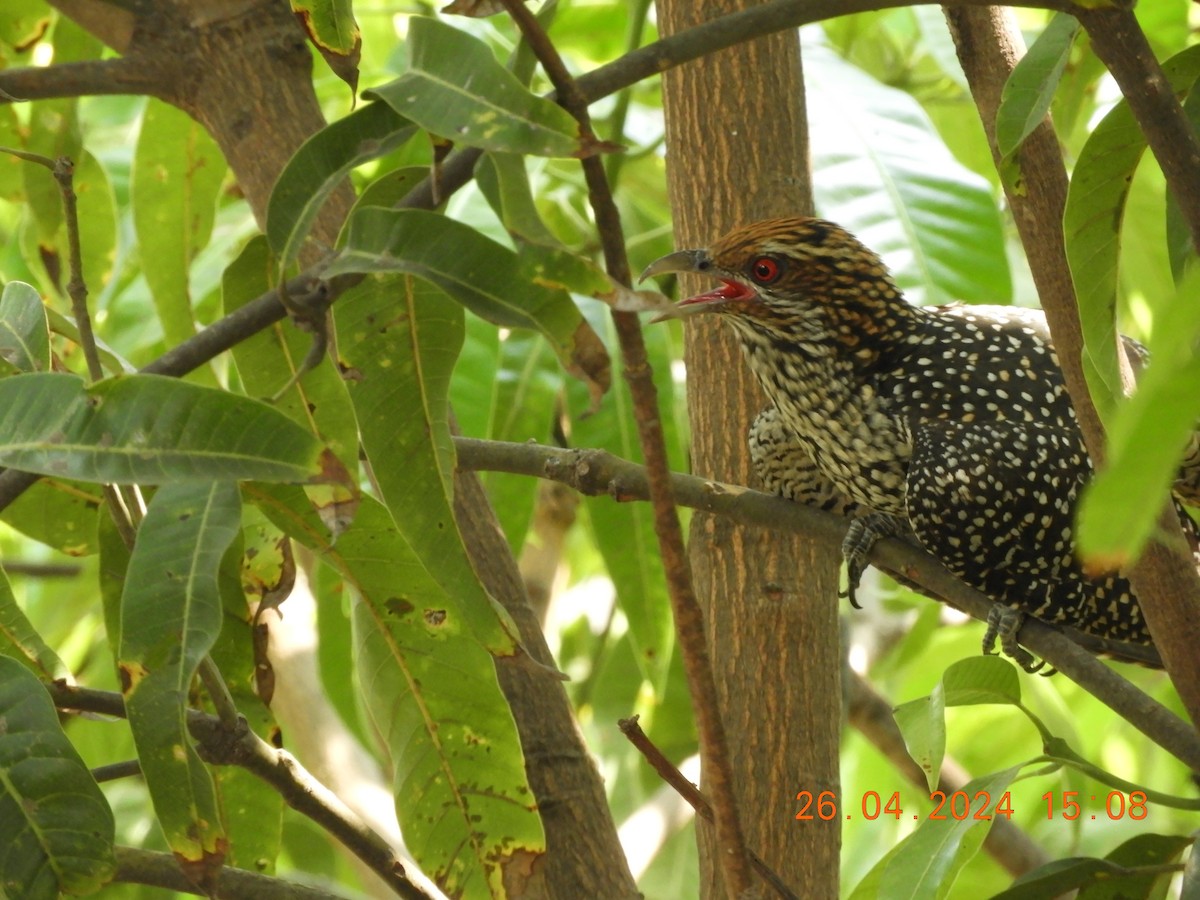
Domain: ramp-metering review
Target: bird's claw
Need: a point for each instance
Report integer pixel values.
(1004, 624)
(861, 536)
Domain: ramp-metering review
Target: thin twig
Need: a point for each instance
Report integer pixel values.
(733, 858)
(692, 795)
(218, 693)
(597, 472)
(130, 768)
(241, 747)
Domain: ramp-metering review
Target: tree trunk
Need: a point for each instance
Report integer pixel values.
(737, 151)
(242, 68)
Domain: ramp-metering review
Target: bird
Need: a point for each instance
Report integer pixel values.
(947, 426)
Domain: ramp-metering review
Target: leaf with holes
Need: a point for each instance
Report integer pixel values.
(461, 793)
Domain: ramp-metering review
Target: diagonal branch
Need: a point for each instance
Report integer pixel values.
(597, 472)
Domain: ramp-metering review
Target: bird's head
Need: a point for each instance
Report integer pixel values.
(799, 277)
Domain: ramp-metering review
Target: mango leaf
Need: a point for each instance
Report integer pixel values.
(1147, 434)
(318, 167)
(20, 640)
(331, 27)
(926, 863)
(981, 679)
(270, 359)
(461, 795)
(177, 173)
(505, 184)
(624, 532)
(251, 810)
(170, 618)
(1030, 88)
(150, 429)
(24, 334)
(1114, 876)
(922, 722)
(1092, 230)
(56, 828)
(399, 338)
(884, 172)
(479, 273)
(59, 514)
(456, 89)
(506, 390)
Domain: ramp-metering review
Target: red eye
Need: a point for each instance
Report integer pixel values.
(765, 270)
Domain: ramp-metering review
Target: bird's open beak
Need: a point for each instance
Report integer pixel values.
(695, 261)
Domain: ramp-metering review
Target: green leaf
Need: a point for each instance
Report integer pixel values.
(624, 532)
(1147, 434)
(20, 640)
(981, 679)
(270, 359)
(56, 829)
(148, 429)
(59, 514)
(479, 273)
(24, 334)
(883, 171)
(922, 722)
(177, 174)
(464, 804)
(331, 27)
(170, 618)
(1110, 878)
(457, 90)
(927, 861)
(251, 809)
(399, 339)
(506, 390)
(1092, 229)
(1030, 88)
(318, 167)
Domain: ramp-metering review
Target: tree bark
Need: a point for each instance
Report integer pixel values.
(737, 151)
(242, 68)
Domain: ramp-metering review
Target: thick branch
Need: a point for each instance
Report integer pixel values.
(597, 472)
(162, 870)
(90, 78)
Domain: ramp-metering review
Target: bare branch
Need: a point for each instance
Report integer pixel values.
(162, 870)
(597, 472)
(90, 78)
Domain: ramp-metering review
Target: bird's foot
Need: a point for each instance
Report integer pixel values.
(861, 536)
(1004, 623)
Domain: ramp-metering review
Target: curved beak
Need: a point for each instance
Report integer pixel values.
(679, 261)
(711, 302)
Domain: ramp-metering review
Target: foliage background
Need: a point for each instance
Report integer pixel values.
(898, 157)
